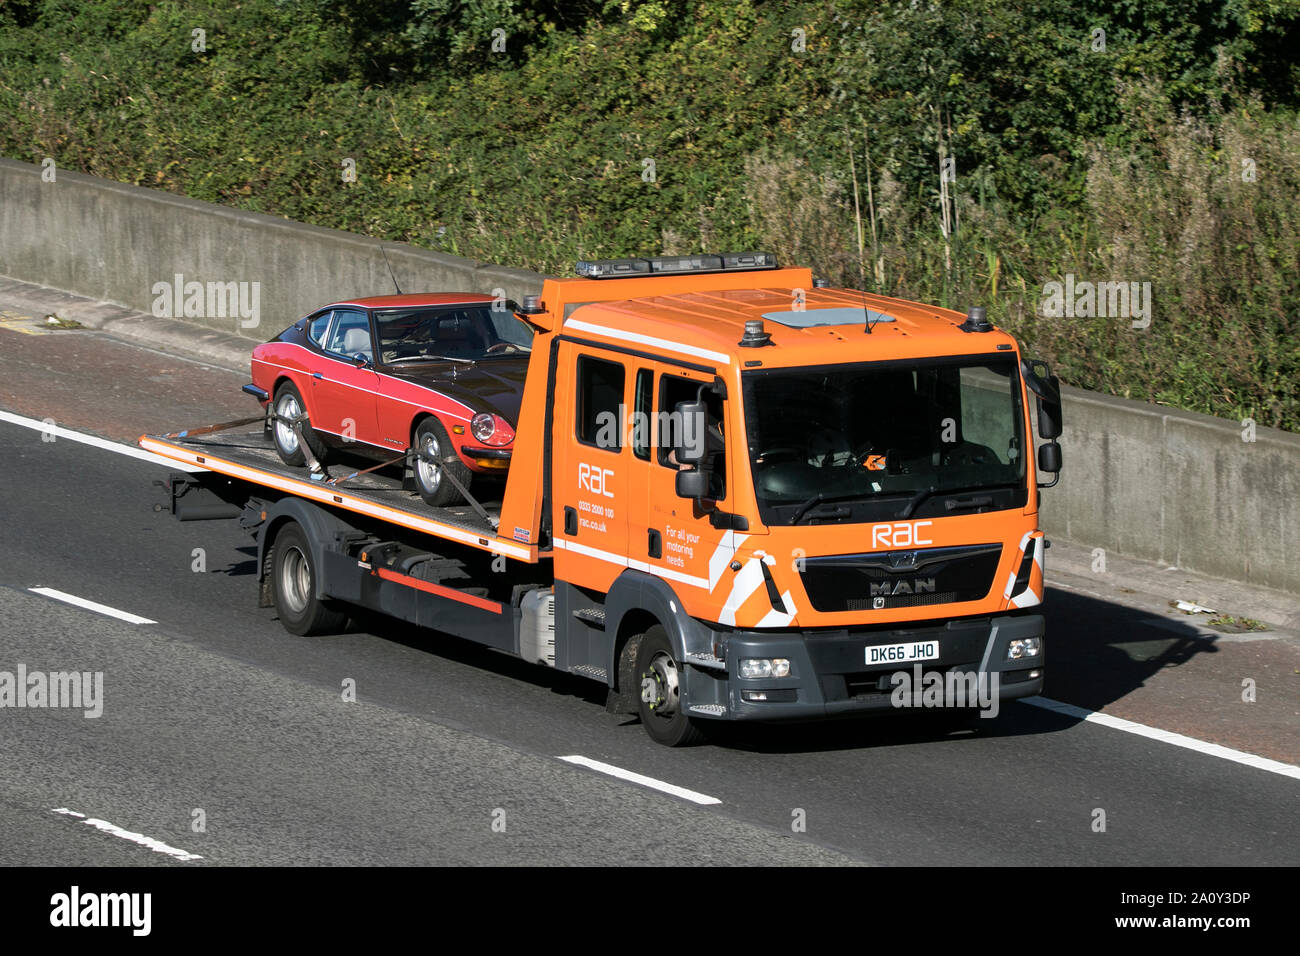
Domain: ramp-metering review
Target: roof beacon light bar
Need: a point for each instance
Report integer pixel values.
(676, 265)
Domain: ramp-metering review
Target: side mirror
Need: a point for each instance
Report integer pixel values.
(1049, 459)
(689, 442)
(693, 484)
(360, 360)
(1047, 388)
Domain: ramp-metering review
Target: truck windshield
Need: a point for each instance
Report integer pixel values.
(886, 440)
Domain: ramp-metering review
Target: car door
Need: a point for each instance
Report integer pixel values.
(345, 384)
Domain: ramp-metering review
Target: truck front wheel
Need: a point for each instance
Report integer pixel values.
(293, 586)
(659, 692)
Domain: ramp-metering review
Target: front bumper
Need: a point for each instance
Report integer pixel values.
(829, 676)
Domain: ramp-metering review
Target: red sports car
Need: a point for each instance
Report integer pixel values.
(441, 373)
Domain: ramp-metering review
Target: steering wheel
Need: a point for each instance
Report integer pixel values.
(502, 346)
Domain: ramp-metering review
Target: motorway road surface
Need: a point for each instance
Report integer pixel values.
(450, 753)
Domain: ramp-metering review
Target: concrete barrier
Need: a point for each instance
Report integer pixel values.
(1139, 480)
(127, 245)
(1174, 486)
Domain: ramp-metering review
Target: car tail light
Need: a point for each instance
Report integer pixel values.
(491, 429)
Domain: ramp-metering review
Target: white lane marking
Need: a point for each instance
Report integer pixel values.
(92, 606)
(156, 845)
(58, 431)
(1167, 737)
(644, 781)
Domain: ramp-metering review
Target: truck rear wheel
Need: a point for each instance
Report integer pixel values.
(659, 698)
(293, 586)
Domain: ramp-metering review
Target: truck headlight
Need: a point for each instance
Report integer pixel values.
(1024, 647)
(764, 667)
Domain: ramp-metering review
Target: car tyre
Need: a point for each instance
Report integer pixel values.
(431, 441)
(288, 404)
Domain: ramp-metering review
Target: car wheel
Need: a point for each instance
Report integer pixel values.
(659, 701)
(288, 405)
(293, 587)
(436, 457)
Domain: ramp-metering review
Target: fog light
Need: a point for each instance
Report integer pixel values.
(753, 694)
(1034, 675)
(1024, 647)
(752, 667)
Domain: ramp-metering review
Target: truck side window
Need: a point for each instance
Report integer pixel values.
(672, 390)
(600, 397)
(644, 413)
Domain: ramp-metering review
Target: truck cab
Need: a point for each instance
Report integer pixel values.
(805, 489)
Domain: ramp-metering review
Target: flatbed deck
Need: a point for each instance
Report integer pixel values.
(247, 454)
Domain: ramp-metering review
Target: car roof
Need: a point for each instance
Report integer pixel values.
(414, 299)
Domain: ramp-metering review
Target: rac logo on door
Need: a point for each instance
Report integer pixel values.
(900, 534)
(596, 480)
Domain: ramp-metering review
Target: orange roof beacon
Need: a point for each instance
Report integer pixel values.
(733, 493)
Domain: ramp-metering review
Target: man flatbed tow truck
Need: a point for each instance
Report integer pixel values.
(735, 494)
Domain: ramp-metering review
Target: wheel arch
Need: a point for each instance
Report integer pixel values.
(320, 528)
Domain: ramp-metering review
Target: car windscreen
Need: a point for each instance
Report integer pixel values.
(887, 440)
(461, 333)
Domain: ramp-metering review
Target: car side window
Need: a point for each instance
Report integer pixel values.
(317, 325)
(600, 396)
(350, 334)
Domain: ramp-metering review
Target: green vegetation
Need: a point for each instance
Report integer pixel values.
(816, 129)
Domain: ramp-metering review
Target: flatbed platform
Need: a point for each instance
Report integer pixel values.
(247, 454)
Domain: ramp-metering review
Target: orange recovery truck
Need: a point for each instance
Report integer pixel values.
(735, 494)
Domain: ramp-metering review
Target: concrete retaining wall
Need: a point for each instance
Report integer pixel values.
(112, 242)
(1139, 480)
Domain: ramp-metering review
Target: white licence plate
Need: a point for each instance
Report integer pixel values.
(903, 653)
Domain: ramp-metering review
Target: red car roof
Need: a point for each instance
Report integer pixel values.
(416, 299)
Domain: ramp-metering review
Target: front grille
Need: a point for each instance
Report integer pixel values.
(903, 600)
(890, 579)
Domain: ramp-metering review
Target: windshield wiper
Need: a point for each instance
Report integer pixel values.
(430, 358)
(818, 499)
(953, 503)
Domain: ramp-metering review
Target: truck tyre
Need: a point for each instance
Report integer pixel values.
(293, 586)
(431, 441)
(287, 405)
(659, 700)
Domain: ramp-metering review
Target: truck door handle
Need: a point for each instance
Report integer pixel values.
(570, 521)
(655, 545)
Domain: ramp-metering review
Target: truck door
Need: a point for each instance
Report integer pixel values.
(590, 471)
(674, 539)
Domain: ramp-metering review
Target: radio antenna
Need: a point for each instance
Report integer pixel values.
(390, 269)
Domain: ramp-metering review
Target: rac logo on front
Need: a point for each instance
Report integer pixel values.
(900, 534)
(595, 480)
